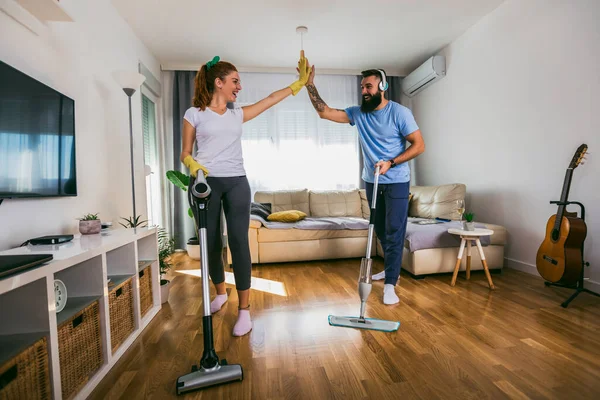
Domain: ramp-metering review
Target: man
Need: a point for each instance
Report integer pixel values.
(384, 127)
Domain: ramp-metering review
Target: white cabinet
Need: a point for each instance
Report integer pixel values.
(92, 268)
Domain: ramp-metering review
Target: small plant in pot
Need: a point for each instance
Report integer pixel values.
(468, 224)
(132, 222)
(89, 224)
(182, 181)
(166, 247)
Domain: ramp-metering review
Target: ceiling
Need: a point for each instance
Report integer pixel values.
(343, 35)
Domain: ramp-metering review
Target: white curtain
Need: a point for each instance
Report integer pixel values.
(289, 146)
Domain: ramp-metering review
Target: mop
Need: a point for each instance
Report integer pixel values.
(211, 371)
(364, 285)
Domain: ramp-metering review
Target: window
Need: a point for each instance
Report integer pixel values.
(289, 146)
(151, 158)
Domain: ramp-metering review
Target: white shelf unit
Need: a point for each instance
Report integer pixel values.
(26, 321)
(28, 307)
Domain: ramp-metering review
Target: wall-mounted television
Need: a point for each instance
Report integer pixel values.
(37, 138)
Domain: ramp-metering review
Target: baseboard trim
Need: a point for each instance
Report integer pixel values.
(520, 266)
(592, 285)
(532, 270)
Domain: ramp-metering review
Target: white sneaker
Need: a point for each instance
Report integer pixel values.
(389, 295)
(379, 276)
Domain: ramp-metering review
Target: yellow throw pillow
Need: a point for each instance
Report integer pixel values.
(287, 216)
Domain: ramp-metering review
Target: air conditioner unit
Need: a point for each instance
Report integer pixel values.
(430, 71)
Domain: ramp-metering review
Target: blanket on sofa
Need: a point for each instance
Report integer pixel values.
(434, 236)
(418, 237)
(320, 223)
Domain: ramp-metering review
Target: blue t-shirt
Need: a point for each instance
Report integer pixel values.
(382, 137)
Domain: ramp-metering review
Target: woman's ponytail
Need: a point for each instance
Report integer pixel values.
(202, 96)
(204, 83)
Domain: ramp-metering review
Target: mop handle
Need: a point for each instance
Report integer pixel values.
(372, 217)
(375, 188)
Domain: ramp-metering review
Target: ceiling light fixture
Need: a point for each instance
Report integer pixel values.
(301, 30)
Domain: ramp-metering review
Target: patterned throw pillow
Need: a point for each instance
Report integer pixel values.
(262, 210)
(287, 216)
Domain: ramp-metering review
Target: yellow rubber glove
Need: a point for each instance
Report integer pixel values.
(304, 71)
(193, 166)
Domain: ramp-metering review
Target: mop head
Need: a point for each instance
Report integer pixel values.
(369, 323)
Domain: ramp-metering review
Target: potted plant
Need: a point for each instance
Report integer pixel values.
(89, 224)
(166, 247)
(133, 222)
(182, 181)
(468, 224)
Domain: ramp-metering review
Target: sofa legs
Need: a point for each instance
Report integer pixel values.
(417, 277)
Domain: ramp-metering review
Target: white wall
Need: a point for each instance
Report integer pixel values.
(522, 92)
(77, 58)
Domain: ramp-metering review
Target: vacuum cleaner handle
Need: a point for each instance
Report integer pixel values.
(200, 188)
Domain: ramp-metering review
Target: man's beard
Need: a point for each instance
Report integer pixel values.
(371, 104)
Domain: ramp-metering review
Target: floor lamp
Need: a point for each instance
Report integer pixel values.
(130, 81)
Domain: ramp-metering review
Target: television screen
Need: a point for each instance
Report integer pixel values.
(37, 138)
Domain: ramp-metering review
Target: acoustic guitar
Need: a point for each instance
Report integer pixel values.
(559, 258)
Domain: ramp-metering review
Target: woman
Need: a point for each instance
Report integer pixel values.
(218, 131)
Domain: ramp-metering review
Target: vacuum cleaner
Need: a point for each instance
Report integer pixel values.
(211, 371)
(364, 284)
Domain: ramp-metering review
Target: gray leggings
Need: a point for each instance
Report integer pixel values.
(234, 193)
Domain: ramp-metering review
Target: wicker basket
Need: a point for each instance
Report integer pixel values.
(27, 376)
(145, 290)
(120, 304)
(79, 349)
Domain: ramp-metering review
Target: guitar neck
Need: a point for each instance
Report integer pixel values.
(563, 197)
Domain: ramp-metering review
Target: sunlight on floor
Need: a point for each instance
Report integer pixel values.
(260, 284)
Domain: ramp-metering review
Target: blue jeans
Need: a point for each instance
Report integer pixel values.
(391, 215)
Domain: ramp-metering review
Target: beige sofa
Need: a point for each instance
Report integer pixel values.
(285, 245)
(440, 201)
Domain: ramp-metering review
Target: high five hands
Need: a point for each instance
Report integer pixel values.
(304, 71)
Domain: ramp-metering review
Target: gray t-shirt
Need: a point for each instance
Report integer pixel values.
(219, 140)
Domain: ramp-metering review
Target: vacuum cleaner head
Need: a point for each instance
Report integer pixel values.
(366, 323)
(203, 378)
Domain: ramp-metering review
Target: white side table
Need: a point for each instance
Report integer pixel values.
(468, 237)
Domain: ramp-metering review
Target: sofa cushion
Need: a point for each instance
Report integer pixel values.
(263, 210)
(287, 216)
(500, 236)
(290, 235)
(284, 200)
(364, 204)
(335, 203)
(436, 201)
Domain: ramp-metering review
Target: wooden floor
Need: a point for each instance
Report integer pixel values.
(462, 342)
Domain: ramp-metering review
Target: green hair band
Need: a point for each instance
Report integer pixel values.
(212, 62)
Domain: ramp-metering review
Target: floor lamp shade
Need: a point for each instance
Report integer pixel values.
(128, 79)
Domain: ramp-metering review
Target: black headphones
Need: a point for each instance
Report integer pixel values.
(383, 85)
